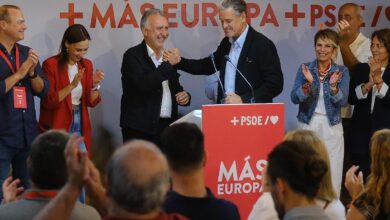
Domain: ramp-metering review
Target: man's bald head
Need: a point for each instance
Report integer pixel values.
(138, 177)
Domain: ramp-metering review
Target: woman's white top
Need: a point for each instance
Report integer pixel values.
(78, 91)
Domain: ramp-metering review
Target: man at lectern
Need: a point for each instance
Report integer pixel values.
(248, 62)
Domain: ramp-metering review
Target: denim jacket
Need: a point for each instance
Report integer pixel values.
(308, 102)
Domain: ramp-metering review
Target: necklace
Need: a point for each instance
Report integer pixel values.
(323, 73)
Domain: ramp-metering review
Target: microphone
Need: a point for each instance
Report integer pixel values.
(252, 100)
(216, 74)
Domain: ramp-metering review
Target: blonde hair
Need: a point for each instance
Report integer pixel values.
(378, 185)
(326, 191)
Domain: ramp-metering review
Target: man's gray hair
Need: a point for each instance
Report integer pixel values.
(239, 6)
(131, 185)
(148, 13)
(354, 5)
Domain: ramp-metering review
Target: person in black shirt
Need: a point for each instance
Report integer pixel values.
(184, 149)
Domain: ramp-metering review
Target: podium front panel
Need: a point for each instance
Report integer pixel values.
(238, 139)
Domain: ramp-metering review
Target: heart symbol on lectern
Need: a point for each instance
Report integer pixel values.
(274, 119)
(388, 13)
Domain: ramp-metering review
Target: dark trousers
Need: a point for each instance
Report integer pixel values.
(344, 195)
(131, 133)
(17, 159)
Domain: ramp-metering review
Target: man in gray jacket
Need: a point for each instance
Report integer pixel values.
(48, 174)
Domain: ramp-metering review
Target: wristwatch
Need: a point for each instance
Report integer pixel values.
(96, 88)
(35, 74)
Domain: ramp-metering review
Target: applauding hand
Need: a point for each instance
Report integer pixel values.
(375, 70)
(306, 72)
(77, 78)
(335, 78)
(98, 76)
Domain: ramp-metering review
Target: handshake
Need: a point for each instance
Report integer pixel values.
(172, 56)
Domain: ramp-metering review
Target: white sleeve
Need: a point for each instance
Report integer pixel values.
(359, 92)
(382, 92)
(364, 52)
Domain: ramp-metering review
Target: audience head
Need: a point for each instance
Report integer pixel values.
(74, 44)
(12, 22)
(232, 14)
(380, 45)
(294, 169)
(380, 153)
(378, 185)
(325, 43)
(184, 148)
(328, 35)
(46, 163)
(311, 139)
(154, 26)
(137, 177)
(352, 13)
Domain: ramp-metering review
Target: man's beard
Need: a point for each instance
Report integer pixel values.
(278, 205)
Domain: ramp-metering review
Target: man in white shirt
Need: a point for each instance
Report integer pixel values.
(354, 48)
(151, 88)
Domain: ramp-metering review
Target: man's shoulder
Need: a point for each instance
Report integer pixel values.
(24, 202)
(23, 50)
(174, 197)
(21, 208)
(220, 202)
(362, 43)
(139, 48)
(259, 41)
(363, 39)
(22, 47)
(259, 36)
(208, 207)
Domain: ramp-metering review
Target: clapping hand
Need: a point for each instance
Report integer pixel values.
(98, 76)
(343, 29)
(34, 57)
(335, 78)
(353, 182)
(28, 65)
(306, 72)
(77, 78)
(375, 69)
(11, 190)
